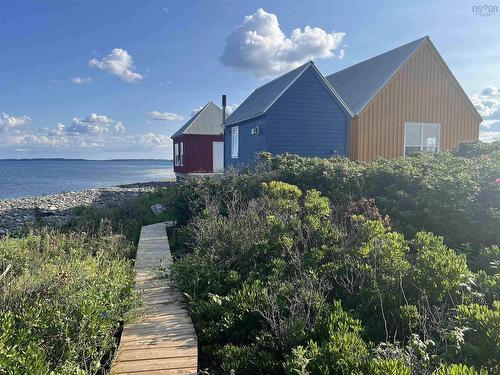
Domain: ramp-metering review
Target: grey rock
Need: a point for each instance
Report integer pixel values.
(157, 208)
(57, 209)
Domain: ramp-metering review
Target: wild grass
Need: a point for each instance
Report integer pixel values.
(63, 300)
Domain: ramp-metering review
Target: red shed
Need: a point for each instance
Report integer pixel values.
(199, 143)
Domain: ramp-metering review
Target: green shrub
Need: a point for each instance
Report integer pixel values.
(409, 246)
(63, 302)
(337, 347)
(482, 335)
(450, 196)
(388, 367)
(459, 369)
(438, 271)
(474, 149)
(128, 217)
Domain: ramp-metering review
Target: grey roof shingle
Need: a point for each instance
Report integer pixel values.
(207, 121)
(264, 96)
(358, 83)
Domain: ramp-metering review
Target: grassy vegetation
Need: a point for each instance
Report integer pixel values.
(296, 266)
(63, 301)
(67, 290)
(127, 218)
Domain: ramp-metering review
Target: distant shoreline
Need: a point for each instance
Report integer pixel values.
(76, 159)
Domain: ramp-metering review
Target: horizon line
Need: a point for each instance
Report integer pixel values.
(82, 159)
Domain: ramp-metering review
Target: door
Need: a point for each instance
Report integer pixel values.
(218, 156)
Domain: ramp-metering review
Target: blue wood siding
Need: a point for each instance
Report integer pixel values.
(307, 120)
(249, 144)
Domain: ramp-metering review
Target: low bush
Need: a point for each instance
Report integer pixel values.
(452, 196)
(127, 217)
(268, 270)
(63, 301)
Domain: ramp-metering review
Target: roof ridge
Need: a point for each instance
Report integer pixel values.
(192, 120)
(333, 90)
(380, 54)
(358, 84)
(211, 102)
(288, 79)
(278, 77)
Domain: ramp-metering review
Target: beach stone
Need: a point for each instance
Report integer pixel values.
(57, 209)
(157, 208)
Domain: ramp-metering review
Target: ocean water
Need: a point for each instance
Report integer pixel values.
(26, 178)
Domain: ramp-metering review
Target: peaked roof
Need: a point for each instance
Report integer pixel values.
(262, 98)
(359, 83)
(265, 96)
(207, 120)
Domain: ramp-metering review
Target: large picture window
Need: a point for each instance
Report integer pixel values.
(234, 142)
(421, 137)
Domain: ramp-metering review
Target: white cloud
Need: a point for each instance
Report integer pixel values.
(94, 118)
(80, 80)
(489, 136)
(59, 129)
(159, 141)
(119, 128)
(196, 110)
(92, 135)
(43, 140)
(10, 122)
(487, 103)
(164, 116)
(231, 108)
(57, 140)
(119, 63)
(490, 125)
(259, 45)
(93, 124)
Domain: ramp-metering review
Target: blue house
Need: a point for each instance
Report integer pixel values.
(298, 113)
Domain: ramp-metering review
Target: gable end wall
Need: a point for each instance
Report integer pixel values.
(422, 91)
(307, 120)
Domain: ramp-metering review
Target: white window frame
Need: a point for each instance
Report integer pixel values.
(235, 142)
(181, 153)
(176, 155)
(422, 125)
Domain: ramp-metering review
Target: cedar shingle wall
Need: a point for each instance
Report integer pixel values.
(422, 91)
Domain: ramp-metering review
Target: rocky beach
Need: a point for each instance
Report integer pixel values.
(57, 209)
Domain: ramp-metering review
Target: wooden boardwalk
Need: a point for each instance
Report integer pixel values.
(164, 340)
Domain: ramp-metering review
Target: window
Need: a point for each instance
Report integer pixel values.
(181, 157)
(176, 154)
(421, 137)
(234, 142)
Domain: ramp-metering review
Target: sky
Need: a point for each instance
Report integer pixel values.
(114, 79)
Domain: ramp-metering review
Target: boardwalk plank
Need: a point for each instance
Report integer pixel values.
(163, 341)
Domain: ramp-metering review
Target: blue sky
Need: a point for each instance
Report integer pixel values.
(114, 79)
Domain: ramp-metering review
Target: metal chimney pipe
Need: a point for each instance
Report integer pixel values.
(224, 99)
